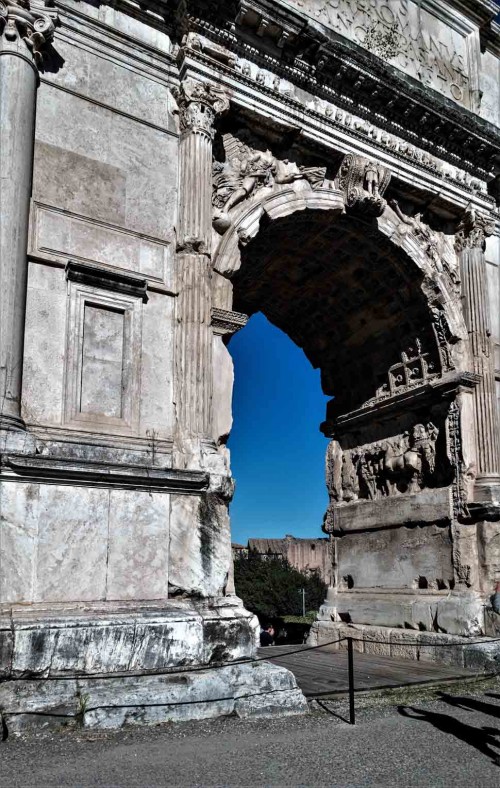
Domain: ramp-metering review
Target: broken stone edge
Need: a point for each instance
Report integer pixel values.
(244, 690)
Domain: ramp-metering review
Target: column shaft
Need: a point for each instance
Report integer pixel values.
(194, 346)
(24, 32)
(199, 104)
(477, 314)
(195, 216)
(18, 82)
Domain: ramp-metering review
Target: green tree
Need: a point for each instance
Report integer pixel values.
(271, 588)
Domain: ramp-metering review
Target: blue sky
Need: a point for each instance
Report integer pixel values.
(277, 450)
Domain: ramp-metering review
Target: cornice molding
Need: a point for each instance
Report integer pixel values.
(338, 70)
(59, 471)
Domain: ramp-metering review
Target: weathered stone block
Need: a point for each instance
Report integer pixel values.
(403, 644)
(427, 506)
(367, 559)
(247, 690)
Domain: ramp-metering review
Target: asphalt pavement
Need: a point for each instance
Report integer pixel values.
(451, 742)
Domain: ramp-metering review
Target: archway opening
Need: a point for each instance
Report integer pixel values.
(362, 306)
(344, 294)
(277, 450)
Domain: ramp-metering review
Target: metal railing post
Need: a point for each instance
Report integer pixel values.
(350, 663)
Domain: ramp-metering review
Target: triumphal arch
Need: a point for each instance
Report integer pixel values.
(169, 168)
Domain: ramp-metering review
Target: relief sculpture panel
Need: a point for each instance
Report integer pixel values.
(405, 463)
(246, 168)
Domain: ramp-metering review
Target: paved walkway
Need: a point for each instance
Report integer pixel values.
(324, 671)
(452, 743)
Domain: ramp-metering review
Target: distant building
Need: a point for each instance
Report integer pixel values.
(306, 555)
(239, 549)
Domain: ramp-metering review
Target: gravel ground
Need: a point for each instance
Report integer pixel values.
(453, 741)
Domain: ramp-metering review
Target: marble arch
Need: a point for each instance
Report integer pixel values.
(379, 508)
(145, 152)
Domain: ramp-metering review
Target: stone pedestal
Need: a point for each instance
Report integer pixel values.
(106, 665)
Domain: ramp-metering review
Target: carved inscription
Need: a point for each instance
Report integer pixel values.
(404, 34)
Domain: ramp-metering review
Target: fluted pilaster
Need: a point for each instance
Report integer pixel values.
(470, 245)
(24, 31)
(199, 105)
(194, 346)
(195, 217)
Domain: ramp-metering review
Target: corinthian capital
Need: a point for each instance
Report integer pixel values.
(199, 104)
(473, 230)
(29, 21)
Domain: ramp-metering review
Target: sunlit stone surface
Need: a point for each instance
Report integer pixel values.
(334, 165)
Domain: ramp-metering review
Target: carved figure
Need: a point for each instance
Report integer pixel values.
(235, 179)
(364, 183)
(333, 468)
(286, 171)
(350, 486)
(408, 463)
(245, 170)
(368, 473)
(373, 173)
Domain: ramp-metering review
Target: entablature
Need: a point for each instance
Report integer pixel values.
(331, 133)
(334, 69)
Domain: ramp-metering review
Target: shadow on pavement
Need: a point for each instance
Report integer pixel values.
(493, 709)
(330, 711)
(483, 739)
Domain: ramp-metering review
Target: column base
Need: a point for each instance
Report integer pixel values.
(487, 488)
(108, 665)
(8, 422)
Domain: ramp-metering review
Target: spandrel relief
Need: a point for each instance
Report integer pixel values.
(245, 166)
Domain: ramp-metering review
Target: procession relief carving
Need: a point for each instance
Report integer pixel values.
(414, 369)
(32, 22)
(402, 464)
(247, 169)
(363, 183)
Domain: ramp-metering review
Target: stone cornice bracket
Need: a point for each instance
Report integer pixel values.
(32, 22)
(226, 323)
(200, 103)
(473, 230)
(363, 183)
